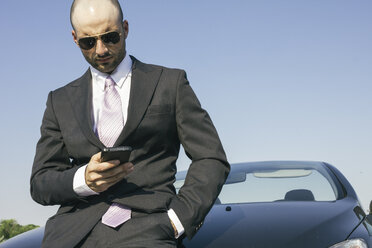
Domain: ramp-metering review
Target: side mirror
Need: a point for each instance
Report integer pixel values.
(370, 208)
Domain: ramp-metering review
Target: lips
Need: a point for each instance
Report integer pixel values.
(104, 60)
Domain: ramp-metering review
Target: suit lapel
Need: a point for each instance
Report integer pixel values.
(80, 94)
(143, 84)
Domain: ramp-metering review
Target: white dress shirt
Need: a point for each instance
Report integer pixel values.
(122, 76)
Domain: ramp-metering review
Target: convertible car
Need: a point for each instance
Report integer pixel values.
(274, 204)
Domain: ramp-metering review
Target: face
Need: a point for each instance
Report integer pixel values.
(105, 57)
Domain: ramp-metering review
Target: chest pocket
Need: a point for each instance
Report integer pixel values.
(164, 109)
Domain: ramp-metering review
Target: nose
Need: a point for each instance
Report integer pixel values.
(101, 48)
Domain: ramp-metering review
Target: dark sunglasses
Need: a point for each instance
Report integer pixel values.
(111, 37)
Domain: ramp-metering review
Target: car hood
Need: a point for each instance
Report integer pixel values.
(278, 224)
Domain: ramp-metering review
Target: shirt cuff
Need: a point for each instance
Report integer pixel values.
(79, 185)
(177, 223)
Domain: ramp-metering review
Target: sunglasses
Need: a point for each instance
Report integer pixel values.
(108, 38)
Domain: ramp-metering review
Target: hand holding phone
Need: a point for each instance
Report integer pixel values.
(101, 174)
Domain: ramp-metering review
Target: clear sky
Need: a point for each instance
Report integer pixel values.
(282, 80)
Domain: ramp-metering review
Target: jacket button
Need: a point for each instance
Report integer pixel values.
(198, 227)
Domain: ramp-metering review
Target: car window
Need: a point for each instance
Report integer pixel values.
(276, 185)
(279, 185)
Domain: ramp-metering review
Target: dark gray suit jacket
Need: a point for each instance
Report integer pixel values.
(163, 112)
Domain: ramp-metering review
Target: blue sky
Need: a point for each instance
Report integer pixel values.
(282, 80)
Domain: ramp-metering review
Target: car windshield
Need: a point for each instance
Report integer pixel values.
(282, 184)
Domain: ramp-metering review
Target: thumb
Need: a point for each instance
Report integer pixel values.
(96, 157)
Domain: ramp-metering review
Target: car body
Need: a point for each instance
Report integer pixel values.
(274, 204)
(285, 204)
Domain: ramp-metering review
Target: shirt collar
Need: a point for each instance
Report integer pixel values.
(122, 71)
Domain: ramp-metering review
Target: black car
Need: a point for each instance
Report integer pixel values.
(274, 204)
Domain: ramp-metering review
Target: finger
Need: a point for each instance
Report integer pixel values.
(95, 171)
(105, 166)
(96, 157)
(94, 160)
(118, 170)
(129, 164)
(102, 185)
(114, 179)
(124, 169)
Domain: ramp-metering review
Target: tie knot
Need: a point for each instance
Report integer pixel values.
(109, 82)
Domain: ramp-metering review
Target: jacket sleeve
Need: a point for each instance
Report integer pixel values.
(209, 167)
(52, 172)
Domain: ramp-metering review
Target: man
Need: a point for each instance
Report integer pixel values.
(121, 101)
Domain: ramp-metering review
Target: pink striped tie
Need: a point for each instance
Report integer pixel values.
(111, 121)
(109, 127)
(116, 215)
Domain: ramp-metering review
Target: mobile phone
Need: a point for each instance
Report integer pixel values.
(120, 153)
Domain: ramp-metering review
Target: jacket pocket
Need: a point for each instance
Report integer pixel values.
(159, 109)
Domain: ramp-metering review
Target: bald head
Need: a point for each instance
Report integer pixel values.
(88, 11)
(95, 19)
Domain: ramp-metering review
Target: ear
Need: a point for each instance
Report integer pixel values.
(74, 37)
(126, 28)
